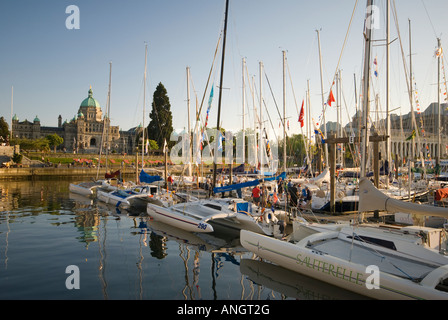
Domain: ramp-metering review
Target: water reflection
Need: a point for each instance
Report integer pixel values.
(124, 255)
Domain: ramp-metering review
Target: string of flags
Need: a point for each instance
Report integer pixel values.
(375, 63)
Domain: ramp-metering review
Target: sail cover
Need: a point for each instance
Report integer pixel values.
(252, 183)
(144, 177)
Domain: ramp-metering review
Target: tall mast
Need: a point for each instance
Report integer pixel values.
(284, 112)
(323, 100)
(144, 108)
(12, 103)
(244, 103)
(365, 95)
(308, 124)
(190, 157)
(220, 93)
(260, 158)
(439, 133)
(388, 155)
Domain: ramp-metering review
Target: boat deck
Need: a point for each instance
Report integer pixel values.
(386, 262)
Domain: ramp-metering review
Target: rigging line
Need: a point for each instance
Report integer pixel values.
(414, 122)
(429, 18)
(297, 109)
(343, 46)
(275, 102)
(209, 76)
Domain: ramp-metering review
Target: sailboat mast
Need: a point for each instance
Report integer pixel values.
(388, 137)
(243, 108)
(322, 94)
(190, 146)
(12, 104)
(220, 92)
(144, 108)
(260, 134)
(284, 112)
(365, 94)
(439, 133)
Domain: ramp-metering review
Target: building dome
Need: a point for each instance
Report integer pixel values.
(36, 119)
(90, 101)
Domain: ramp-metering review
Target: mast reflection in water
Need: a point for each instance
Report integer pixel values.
(121, 255)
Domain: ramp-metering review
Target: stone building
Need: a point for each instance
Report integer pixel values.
(84, 133)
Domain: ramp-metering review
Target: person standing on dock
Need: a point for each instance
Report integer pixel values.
(256, 195)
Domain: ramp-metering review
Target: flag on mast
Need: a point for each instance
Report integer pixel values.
(330, 98)
(301, 116)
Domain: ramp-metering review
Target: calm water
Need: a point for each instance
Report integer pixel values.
(121, 255)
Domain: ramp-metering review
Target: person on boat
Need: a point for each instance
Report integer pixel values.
(294, 195)
(306, 201)
(170, 182)
(256, 195)
(264, 196)
(238, 191)
(280, 186)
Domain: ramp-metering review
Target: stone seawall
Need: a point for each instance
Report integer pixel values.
(53, 173)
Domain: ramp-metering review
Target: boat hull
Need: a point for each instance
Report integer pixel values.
(339, 272)
(178, 220)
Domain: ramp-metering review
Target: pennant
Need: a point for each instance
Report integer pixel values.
(412, 136)
(376, 67)
(302, 113)
(330, 98)
(317, 131)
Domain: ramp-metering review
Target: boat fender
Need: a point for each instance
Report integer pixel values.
(267, 217)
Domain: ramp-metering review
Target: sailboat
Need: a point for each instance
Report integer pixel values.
(381, 263)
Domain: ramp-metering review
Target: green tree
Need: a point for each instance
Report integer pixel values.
(54, 140)
(161, 125)
(4, 129)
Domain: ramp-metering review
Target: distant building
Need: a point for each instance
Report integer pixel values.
(84, 133)
(401, 127)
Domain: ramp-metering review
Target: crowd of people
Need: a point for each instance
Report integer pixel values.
(296, 195)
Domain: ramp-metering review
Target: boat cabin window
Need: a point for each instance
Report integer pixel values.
(375, 241)
(213, 206)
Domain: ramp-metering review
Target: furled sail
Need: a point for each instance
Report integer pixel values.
(370, 199)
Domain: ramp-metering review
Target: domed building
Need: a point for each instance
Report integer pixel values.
(83, 133)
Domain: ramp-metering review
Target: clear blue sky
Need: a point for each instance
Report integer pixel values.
(51, 67)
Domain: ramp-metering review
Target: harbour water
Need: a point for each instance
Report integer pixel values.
(55, 245)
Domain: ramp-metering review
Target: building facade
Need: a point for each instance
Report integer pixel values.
(89, 131)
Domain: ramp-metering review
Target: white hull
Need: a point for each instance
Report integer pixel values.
(125, 199)
(84, 188)
(349, 274)
(178, 220)
(209, 215)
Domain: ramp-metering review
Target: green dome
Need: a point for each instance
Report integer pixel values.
(90, 101)
(15, 118)
(36, 119)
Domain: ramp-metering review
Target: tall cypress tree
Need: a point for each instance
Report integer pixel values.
(161, 125)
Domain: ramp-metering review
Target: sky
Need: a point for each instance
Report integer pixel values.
(50, 67)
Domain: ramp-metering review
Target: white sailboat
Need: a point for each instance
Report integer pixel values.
(209, 214)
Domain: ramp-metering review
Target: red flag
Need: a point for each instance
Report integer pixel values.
(302, 112)
(330, 98)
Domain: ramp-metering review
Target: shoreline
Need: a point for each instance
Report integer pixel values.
(31, 173)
